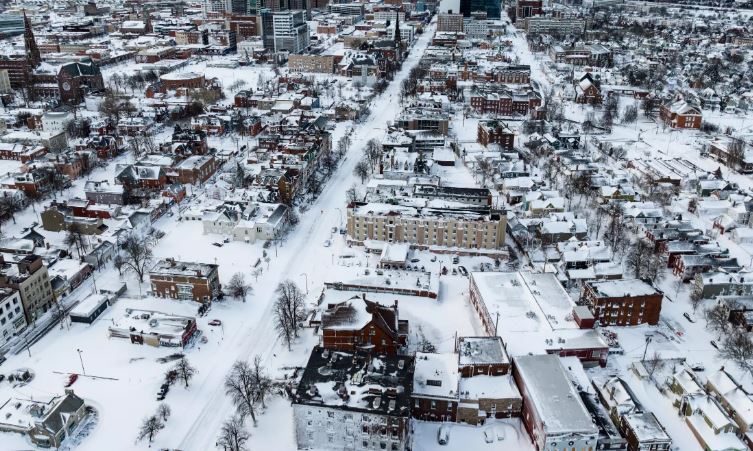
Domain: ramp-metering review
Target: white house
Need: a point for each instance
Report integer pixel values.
(54, 122)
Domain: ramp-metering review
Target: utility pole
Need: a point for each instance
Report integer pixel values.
(83, 370)
(648, 340)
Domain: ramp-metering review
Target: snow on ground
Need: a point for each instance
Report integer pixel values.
(466, 437)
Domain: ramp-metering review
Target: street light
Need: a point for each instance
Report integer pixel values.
(307, 281)
(83, 370)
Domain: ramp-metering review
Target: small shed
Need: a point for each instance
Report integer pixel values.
(88, 310)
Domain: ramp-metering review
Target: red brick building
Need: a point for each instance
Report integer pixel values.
(681, 115)
(359, 324)
(435, 387)
(623, 302)
(183, 280)
(505, 103)
(482, 356)
(495, 132)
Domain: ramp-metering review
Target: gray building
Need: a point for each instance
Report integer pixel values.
(291, 32)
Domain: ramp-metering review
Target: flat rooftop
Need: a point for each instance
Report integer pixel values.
(554, 397)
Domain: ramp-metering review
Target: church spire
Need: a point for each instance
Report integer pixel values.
(397, 30)
(33, 58)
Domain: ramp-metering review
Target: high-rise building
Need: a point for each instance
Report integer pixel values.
(450, 22)
(291, 32)
(244, 7)
(492, 7)
(527, 8)
(266, 27)
(216, 7)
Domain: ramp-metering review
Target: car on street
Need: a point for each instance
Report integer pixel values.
(327, 243)
(462, 270)
(217, 244)
(215, 322)
(443, 435)
(713, 343)
(689, 317)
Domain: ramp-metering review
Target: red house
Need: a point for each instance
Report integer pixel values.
(681, 115)
(360, 324)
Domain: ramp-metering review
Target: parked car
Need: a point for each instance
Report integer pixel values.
(713, 343)
(215, 322)
(327, 243)
(689, 317)
(462, 270)
(443, 435)
(217, 244)
(455, 260)
(697, 367)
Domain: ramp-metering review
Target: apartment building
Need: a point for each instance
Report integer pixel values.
(426, 227)
(356, 403)
(450, 22)
(291, 32)
(29, 277)
(320, 64)
(495, 132)
(12, 319)
(624, 302)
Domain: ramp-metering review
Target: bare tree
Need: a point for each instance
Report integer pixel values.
(137, 253)
(241, 387)
(351, 195)
(150, 427)
(233, 435)
(373, 153)
(119, 261)
(736, 153)
(738, 347)
(185, 371)
(630, 115)
(289, 311)
(616, 231)
(362, 170)
(237, 287)
(653, 364)
(717, 318)
(75, 237)
(696, 294)
(164, 411)
(262, 382)
(644, 262)
(484, 169)
(12, 205)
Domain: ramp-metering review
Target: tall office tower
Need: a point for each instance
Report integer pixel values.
(291, 32)
(492, 7)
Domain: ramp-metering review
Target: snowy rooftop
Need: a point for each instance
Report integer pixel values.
(88, 305)
(436, 375)
(525, 301)
(481, 350)
(553, 395)
(357, 382)
(622, 288)
(646, 427)
(495, 387)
